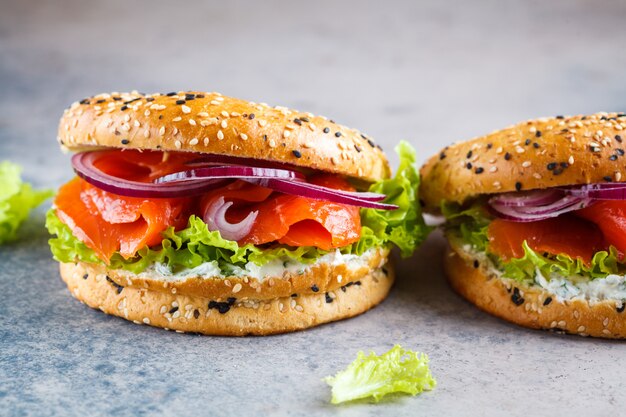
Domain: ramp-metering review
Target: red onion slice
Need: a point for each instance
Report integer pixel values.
(83, 164)
(527, 198)
(599, 191)
(532, 214)
(215, 218)
(229, 171)
(318, 192)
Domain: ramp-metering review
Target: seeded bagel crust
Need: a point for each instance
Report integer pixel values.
(542, 153)
(528, 306)
(215, 124)
(231, 316)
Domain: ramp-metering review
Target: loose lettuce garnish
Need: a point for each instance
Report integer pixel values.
(196, 244)
(17, 199)
(471, 223)
(397, 371)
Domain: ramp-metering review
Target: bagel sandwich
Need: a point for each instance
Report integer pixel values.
(535, 217)
(197, 212)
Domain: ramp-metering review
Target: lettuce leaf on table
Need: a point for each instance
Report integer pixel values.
(17, 199)
(397, 371)
(196, 244)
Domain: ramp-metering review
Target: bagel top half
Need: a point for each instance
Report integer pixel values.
(211, 123)
(536, 154)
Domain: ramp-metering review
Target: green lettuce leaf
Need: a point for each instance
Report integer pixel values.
(17, 199)
(470, 224)
(196, 244)
(404, 227)
(602, 264)
(397, 371)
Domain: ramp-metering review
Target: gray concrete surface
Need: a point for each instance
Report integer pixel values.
(429, 72)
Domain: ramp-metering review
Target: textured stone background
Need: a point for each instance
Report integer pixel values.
(428, 72)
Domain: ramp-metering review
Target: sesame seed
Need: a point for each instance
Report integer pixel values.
(507, 156)
(220, 135)
(479, 170)
(178, 144)
(146, 320)
(193, 142)
(203, 114)
(206, 141)
(237, 288)
(518, 186)
(326, 130)
(261, 122)
(286, 133)
(224, 124)
(161, 130)
(185, 109)
(272, 143)
(296, 153)
(493, 169)
(125, 141)
(177, 119)
(192, 122)
(526, 164)
(243, 136)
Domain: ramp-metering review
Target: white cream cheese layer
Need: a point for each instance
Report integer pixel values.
(274, 268)
(575, 287)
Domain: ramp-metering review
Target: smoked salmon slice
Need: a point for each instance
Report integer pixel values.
(566, 234)
(610, 216)
(292, 220)
(108, 223)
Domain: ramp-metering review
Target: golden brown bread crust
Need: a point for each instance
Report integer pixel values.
(531, 306)
(211, 123)
(540, 153)
(238, 317)
(322, 277)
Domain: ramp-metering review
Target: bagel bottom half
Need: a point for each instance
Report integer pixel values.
(530, 306)
(190, 312)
